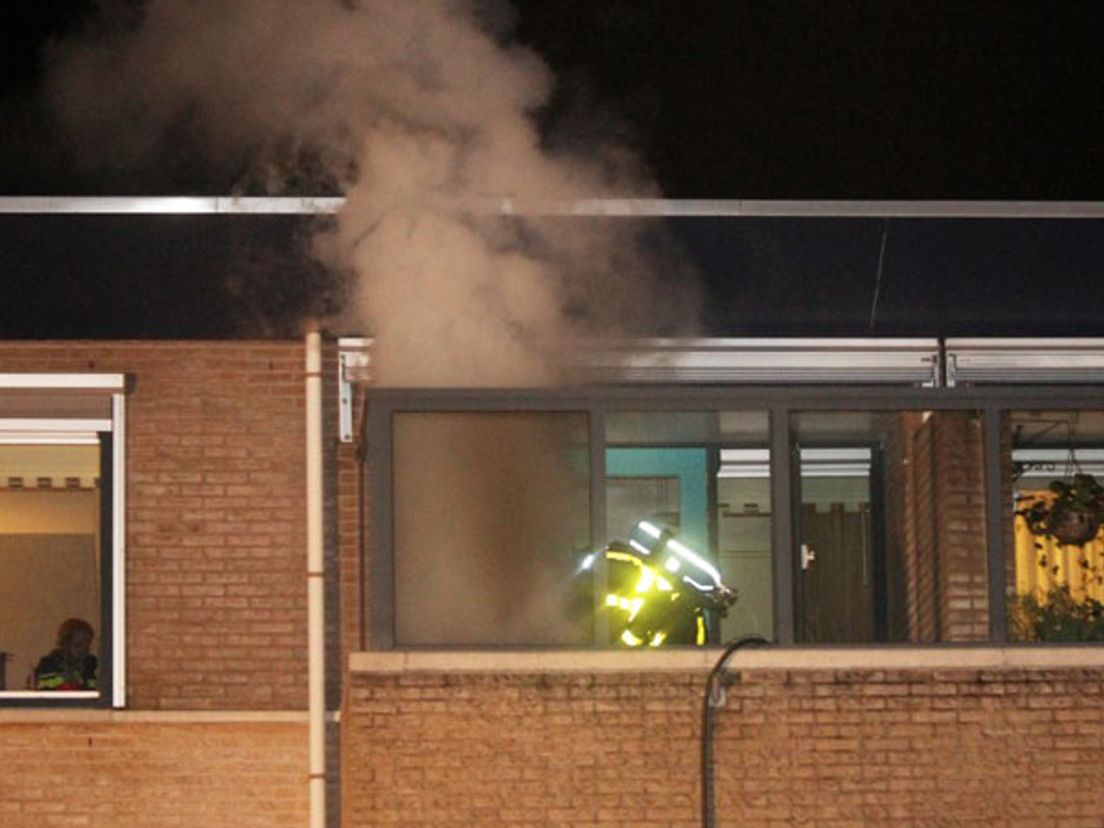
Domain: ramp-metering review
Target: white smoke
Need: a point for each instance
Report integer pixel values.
(425, 119)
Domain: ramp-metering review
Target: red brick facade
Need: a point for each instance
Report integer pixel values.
(936, 520)
(153, 774)
(830, 748)
(215, 734)
(216, 601)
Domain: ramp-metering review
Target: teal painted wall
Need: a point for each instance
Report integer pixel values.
(690, 466)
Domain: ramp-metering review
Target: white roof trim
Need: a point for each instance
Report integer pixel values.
(778, 343)
(737, 208)
(619, 207)
(764, 361)
(1024, 343)
(169, 205)
(1048, 361)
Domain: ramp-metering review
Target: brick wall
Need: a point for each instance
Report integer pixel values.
(946, 550)
(215, 516)
(793, 747)
(152, 775)
(216, 599)
(924, 557)
(962, 540)
(902, 575)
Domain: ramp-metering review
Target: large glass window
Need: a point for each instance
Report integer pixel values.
(52, 557)
(502, 535)
(1054, 509)
(608, 526)
(704, 478)
(61, 556)
(890, 521)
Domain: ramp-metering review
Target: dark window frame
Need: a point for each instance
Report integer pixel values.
(780, 403)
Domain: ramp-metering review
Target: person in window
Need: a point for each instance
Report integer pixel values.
(71, 665)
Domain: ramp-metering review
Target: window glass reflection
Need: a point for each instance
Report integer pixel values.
(1054, 468)
(891, 527)
(703, 477)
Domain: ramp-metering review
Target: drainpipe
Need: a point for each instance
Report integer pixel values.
(316, 642)
(714, 698)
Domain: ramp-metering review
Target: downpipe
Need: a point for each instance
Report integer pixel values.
(713, 698)
(316, 642)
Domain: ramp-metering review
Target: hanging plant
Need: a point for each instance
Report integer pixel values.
(1072, 512)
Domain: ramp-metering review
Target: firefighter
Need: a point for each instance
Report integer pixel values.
(659, 590)
(70, 665)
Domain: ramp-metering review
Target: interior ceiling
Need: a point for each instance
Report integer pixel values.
(31, 462)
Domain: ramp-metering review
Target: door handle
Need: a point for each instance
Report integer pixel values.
(808, 556)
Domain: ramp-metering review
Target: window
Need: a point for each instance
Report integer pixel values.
(890, 526)
(1054, 469)
(492, 517)
(703, 475)
(61, 539)
(838, 515)
(497, 517)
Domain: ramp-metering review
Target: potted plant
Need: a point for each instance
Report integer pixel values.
(1071, 513)
(1056, 616)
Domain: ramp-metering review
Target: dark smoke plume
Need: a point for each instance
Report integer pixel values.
(422, 112)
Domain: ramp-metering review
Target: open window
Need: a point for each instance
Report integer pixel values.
(61, 551)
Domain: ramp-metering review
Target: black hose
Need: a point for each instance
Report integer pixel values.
(714, 697)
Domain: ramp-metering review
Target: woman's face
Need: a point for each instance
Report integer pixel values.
(79, 644)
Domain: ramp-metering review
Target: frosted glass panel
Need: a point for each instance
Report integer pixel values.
(492, 516)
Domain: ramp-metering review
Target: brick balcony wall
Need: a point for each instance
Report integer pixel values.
(830, 748)
(152, 775)
(216, 535)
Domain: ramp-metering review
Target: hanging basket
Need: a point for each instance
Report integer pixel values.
(1071, 513)
(1074, 526)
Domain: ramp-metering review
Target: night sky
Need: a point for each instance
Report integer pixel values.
(840, 100)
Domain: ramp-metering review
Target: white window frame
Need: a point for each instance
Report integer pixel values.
(82, 431)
